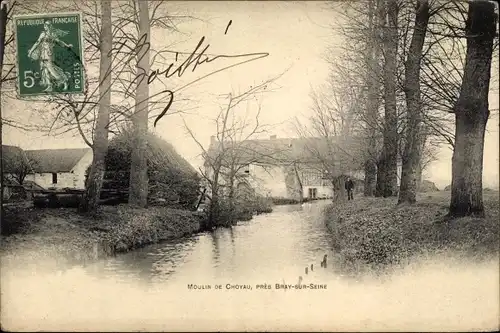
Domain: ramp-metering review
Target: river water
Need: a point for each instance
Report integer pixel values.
(148, 289)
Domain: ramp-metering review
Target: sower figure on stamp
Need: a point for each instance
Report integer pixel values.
(349, 186)
(43, 51)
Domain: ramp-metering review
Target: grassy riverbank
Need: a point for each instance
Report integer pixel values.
(60, 236)
(370, 232)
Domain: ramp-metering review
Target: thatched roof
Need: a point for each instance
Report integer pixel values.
(159, 152)
(160, 148)
(56, 160)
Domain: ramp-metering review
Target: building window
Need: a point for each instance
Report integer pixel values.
(54, 178)
(246, 169)
(311, 178)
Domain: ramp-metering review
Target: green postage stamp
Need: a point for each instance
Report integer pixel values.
(49, 49)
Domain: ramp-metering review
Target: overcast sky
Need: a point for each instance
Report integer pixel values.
(295, 34)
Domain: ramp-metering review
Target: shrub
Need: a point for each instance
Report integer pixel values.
(283, 201)
(53, 200)
(130, 228)
(427, 186)
(172, 180)
(260, 204)
(242, 210)
(18, 220)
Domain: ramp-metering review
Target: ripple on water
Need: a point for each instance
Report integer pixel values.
(147, 289)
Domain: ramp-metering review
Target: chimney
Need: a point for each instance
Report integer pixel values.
(212, 139)
(273, 137)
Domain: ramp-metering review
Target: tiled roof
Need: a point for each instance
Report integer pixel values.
(278, 151)
(56, 160)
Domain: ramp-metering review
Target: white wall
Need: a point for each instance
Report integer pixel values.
(321, 191)
(80, 168)
(64, 179)
(73, 179)
(268, 181)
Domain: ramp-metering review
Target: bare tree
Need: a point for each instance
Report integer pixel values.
(233, 149)
(78, 114)
(20, 165)
(8, 67)
(430, 148)
(138, 192)
(91, 115)
(66, 113)
(94, 180)
(129, 40)
(5, 12)
(387, 164)
(412, 150)
(332, 134)
(373, 96)
(472, 112)
(441, 70)
(361, 56)
(132, 26)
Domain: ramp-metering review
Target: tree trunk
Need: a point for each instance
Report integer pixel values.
(299, 182)
(418, 174)
(339, 191)
(214, 209)
(93, 185)
(3, 26)
(412, 151)
(370, 178)
(382, 34)
(471, 112)
(421, 162)
(231, 214)
(213, 214)
(373, 73)
(390, 146)
(138, 193)
(381, 175)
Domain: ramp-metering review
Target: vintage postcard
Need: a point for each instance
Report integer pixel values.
(180, 166)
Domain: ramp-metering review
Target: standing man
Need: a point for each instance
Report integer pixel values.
(349, 186)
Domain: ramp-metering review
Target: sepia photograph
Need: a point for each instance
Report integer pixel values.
(279, 166)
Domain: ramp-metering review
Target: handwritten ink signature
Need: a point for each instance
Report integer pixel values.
(196, 58)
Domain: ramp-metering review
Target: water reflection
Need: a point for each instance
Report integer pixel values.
(279, 244)
(147, 289)
(284, 242)
(216, 248)
(290, 208)
(148, 264)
